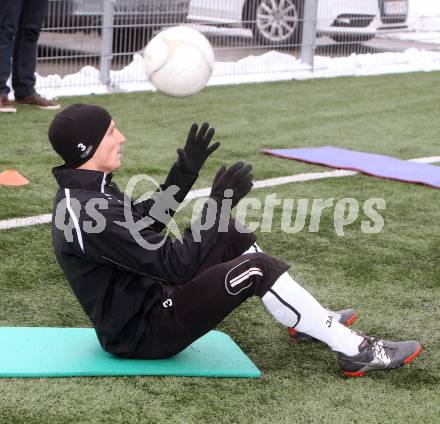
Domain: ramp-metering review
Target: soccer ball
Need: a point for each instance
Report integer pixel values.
(179, 61)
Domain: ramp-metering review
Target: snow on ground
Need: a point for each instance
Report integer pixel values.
(430, 37)
(272, 66)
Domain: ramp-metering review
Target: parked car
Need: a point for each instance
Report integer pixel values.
(133, 23)
(280, 22)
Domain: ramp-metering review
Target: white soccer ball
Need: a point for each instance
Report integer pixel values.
(179, 61)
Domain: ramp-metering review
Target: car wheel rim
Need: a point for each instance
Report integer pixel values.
(277, 19)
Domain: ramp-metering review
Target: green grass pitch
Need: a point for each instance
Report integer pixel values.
(391, 278)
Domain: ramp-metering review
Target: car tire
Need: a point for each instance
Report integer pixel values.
(351, 38)
(276, 23)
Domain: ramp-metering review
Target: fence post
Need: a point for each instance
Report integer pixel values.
(107, 41)
(308, 43)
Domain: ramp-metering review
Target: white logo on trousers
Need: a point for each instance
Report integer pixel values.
(167, 303)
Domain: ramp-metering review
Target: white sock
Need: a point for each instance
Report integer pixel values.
(293, 306)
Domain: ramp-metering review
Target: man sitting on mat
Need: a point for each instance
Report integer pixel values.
(154, 302)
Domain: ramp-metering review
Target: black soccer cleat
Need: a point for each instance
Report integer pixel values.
(346, 317)
(375, 354)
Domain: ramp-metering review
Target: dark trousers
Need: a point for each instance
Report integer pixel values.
(20, 25)
(226, 279)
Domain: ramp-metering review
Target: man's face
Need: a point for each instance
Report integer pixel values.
(107, 157)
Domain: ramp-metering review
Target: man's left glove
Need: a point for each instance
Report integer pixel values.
(197, 149)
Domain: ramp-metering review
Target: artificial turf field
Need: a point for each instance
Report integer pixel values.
(391, 278)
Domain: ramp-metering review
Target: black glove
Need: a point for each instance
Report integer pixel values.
(237, 178)
(197, 149)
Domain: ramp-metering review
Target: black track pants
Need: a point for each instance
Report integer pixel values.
(226, 279)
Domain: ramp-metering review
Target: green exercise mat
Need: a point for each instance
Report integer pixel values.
(67, 352)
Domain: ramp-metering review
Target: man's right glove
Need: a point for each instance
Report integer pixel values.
(237, 178)
(197, 149)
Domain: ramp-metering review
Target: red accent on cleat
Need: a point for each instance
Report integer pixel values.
(292, 331)
(353, 374)
(414, 355)
(351, 320)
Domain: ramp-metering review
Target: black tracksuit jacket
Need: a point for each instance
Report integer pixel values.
(116, 280)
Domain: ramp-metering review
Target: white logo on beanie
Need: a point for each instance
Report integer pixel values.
(81, 147)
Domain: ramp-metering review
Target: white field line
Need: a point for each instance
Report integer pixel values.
(25, 222)
(204, 192)
(429, 159)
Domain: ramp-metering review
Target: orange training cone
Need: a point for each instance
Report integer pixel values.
(11, 177)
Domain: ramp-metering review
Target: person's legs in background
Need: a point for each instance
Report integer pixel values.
(10, 12)
(25, 47)
(24, 59)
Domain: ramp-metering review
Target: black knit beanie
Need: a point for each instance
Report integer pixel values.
(76, 132)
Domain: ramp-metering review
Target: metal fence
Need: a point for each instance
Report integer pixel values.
(91, 45)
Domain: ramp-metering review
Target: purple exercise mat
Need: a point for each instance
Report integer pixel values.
(371, 164)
